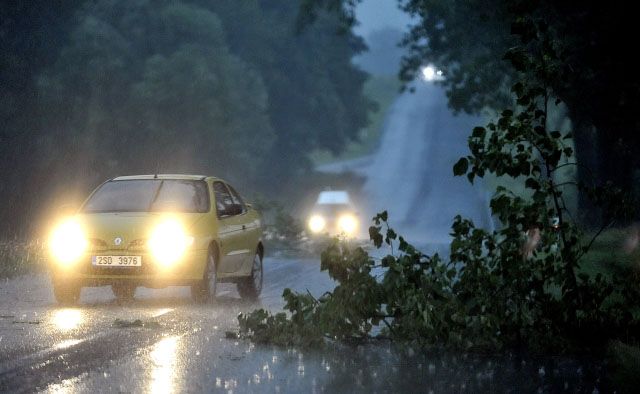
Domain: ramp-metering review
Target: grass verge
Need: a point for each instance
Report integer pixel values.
(20, 257)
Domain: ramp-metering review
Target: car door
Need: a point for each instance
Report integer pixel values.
(250, 227)
(233, 250)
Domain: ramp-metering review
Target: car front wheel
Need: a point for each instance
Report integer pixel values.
(250, 287)
(66, 293)
(205, 290)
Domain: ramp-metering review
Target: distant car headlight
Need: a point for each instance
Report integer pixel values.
(348, 224)
(67, 242)
(317, 223)
(169, 242)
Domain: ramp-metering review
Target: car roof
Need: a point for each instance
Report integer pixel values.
(333, 197)
(163, 176)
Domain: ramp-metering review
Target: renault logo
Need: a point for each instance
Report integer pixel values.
(117, 241)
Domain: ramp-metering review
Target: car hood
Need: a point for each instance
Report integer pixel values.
(128, 226)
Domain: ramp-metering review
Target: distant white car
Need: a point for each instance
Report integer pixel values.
(333, 214)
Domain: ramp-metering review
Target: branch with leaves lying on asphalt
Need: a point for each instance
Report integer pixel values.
(519, 287)
(493, 301)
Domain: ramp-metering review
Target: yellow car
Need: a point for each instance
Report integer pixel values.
(157, 231)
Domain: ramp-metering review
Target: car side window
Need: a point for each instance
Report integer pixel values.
(237, 199)
(224, 202)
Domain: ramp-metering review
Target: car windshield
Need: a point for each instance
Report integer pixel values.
(150, 195)
(332, 209)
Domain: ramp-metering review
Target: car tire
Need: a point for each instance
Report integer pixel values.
(123, 292)
(66, 293)
(251, 286)
(205, 290)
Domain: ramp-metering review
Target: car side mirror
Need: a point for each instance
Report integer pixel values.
(232, 210)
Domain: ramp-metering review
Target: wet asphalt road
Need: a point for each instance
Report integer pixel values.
(183, 347)
(411, 174)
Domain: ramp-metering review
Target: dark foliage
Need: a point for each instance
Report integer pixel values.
(96, 89)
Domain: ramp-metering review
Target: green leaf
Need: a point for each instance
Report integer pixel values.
(461, 167)
(471, 176)
(568, 152)
(478, 132)
(375, 236)
(531, 183)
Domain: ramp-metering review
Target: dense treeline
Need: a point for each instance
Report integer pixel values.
(95, 89)
(593, 70)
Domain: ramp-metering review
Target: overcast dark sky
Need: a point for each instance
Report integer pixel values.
(379, 14)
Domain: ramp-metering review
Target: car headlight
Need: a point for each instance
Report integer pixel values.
(168, 242)
(67, 242)
(347, 224)
(316, 223)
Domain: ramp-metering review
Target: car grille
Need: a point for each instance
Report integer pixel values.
(101, 246)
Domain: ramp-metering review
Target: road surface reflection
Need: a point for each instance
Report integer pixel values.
(67, 319)
(163, 361)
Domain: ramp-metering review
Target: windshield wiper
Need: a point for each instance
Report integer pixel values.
(155, 197)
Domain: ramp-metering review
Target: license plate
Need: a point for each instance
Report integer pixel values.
(117, 261)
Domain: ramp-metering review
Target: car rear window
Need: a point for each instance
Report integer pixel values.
(150, 195)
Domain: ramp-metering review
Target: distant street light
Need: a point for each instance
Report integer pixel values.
(430, 73)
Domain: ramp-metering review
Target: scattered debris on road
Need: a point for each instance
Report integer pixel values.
(120, 323)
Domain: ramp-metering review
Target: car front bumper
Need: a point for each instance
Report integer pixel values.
(187, 270)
